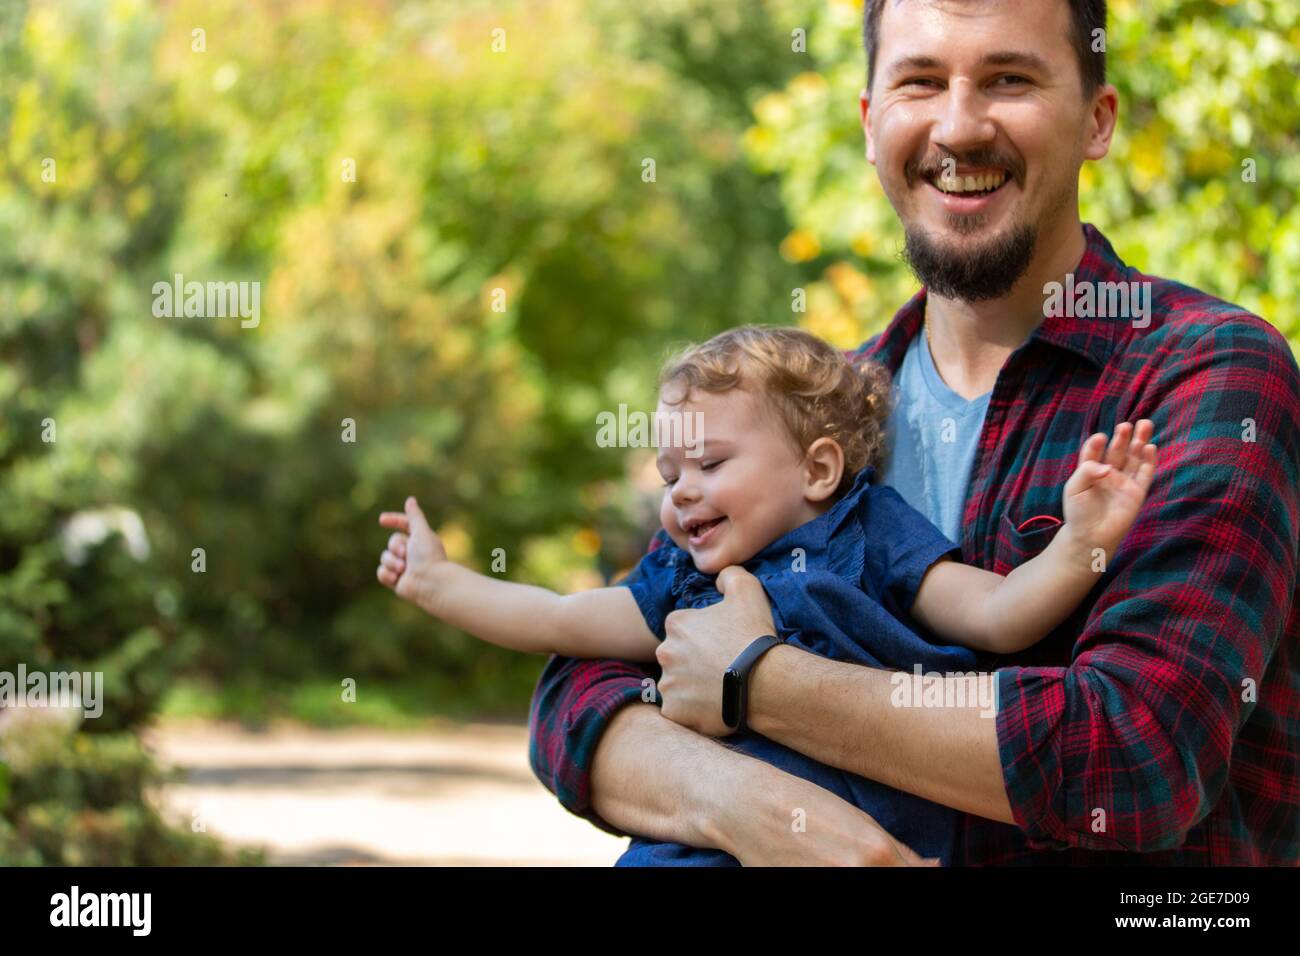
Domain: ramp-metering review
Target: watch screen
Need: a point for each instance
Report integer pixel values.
(730, 698)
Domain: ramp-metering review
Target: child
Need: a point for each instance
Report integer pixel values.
(781, 485)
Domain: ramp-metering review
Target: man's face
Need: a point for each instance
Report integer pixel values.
(977, 127)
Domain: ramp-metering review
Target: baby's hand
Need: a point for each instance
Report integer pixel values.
(1103, 497)
(414, 551)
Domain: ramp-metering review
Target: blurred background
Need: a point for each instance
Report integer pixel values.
(463, 257)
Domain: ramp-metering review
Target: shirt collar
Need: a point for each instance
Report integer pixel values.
(1092, 338)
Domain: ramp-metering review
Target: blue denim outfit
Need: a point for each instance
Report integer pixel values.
(840, 587)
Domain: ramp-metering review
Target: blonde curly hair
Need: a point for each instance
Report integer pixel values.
(814, 389)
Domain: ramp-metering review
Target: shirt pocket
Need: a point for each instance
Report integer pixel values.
(1015, 547)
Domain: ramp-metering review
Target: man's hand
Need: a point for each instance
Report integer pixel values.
(414, 551)
(701, 644)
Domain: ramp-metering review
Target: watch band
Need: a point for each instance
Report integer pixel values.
(735, 681)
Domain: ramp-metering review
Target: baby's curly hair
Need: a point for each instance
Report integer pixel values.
(814, 389)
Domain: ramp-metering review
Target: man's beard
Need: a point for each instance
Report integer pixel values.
(974, 271)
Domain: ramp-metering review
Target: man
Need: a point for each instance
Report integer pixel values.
(1163, 718)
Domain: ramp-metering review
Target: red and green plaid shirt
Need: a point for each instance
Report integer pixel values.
(1164, 716)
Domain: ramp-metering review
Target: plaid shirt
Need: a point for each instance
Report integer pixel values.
(1164, 715)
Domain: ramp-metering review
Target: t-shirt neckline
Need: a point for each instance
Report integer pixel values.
(939, 390)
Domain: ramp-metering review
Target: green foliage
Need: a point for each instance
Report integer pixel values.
(74, 799)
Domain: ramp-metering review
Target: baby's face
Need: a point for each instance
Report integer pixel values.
(741, 491)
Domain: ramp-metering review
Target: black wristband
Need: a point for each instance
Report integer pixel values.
(735, 681)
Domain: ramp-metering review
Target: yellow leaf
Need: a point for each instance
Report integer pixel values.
(586, 541)
(800, 246)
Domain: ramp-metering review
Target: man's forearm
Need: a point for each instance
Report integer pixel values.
(842, 715)
(658, 779)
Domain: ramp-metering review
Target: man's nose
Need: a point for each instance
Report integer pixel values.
(964, 124)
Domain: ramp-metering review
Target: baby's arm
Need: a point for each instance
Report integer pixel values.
(604, 622)
(990, 612)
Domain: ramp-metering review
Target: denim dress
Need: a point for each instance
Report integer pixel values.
(840, 587)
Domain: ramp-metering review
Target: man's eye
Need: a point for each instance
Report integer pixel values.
(920, 81)
(1013, 79)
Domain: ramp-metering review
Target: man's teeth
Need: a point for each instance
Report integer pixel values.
(970, 184)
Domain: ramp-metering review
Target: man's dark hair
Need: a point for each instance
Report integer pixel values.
(1086, 17)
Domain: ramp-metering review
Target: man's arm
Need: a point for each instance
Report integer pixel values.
(656, 778)
(599, 743)
(721, 798)
(1141, 724)
(945, 754)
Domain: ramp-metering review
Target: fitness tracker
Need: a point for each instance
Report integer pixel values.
(735, 681)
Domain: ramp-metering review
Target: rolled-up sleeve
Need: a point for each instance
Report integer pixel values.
(1131, 745)
(572, 705)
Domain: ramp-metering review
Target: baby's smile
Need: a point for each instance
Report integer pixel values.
(702, 530)
(698, 527)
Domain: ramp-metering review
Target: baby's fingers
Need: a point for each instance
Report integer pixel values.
(393, 563)
(1141, 438)
(1092, 448)
(1085, 476)
(1117, 453)
(397, 544)
(1146, 471)
(386, 577)
(395, 519)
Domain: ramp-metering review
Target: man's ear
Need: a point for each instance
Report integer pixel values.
(1101, 124)
(864, 111)
(823, 469)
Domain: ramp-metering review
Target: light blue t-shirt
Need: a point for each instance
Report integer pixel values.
(932, 436)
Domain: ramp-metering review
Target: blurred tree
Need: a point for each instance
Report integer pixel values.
(88, 195)
(462, 255)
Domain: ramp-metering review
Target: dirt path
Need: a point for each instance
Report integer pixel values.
(453, 794)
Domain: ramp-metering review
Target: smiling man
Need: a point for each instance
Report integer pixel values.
(1163, 718)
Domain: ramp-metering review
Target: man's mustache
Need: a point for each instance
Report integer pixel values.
(935, 164)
